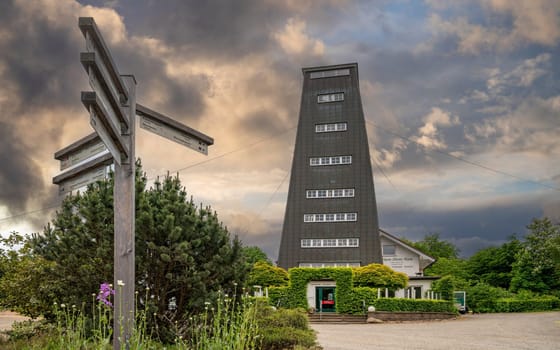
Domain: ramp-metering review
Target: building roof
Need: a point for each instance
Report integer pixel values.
(425, 259)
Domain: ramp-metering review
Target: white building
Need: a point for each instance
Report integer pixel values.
(401, 257)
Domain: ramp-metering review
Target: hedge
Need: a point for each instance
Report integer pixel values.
(300, 277)
(519, 305)
(278, 296)
(357, 298)
(414, 305)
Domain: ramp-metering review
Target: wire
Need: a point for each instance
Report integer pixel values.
(470, 162)
(176, 171)
(29, 212)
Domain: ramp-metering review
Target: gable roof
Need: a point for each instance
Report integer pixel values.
(425, 259)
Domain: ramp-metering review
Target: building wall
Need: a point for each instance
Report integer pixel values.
(314, 144)
(403, 260)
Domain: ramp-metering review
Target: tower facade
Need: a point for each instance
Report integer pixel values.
(331, 212)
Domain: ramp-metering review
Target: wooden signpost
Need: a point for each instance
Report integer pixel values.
(112, 108)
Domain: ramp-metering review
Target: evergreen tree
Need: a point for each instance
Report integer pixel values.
(184, 254)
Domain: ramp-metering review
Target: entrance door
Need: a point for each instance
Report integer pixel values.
(324, 299)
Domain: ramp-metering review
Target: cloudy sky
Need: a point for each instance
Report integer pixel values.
(462, 104)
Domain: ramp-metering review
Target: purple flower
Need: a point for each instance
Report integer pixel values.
(105, 292)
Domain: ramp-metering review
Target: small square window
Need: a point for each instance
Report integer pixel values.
(389, 249)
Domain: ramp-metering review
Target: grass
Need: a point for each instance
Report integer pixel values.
(229, 323)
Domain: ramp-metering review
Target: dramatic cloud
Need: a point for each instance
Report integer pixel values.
(294, 40)
(507, 25)
(428, 135)
(461, 103)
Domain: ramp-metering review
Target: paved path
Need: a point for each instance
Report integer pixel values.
(7, 318)
(531, 331)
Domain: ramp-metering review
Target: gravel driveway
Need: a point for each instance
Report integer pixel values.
(534, 331)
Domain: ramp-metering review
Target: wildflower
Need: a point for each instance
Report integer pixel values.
(62, 306)
(120, 283)
(105, 291)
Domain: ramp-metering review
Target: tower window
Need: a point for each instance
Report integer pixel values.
(336, 97)
(334, 160)
(334, 193)
(337, 217)
(333, 127)
(329, 73)
(330, 243)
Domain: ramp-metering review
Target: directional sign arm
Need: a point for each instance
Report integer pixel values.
(103, 84)
(173, 130)
(80, 150)
(105, 126)
(95, 43)
(84, 174)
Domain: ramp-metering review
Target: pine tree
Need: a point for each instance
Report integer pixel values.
(184, 254)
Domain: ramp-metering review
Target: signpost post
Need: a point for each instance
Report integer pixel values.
(112, 107)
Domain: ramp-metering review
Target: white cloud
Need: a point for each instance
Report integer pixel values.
(294, 40)
(429, 135)
(532, 22)
(524, 75)
(531, 127)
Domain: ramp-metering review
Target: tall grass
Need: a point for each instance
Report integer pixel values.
(225, 324)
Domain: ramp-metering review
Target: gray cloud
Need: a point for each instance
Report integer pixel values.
(20, 177)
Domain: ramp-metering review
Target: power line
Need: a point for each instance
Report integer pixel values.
(29, 212)
(470, 162)
(176, 171)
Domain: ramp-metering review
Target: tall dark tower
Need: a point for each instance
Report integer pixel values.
(331, 213)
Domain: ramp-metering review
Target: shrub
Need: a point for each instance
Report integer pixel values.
(265, 275)
(380, 276)
(284, 329)
(278, 296)
(482, 297)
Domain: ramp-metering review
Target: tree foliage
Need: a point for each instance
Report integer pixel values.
(437, 248)
(493, 265)
(183, 252)
(379, 276)
(266, 275)
(254, 254)
(537, 265)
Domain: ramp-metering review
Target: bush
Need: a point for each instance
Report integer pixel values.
(278, 296)
(482, 297)
(284, 329)
(265, 275)
(379, 276)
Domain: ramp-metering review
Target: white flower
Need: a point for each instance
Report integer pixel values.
(62, 305)
(120, 283)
